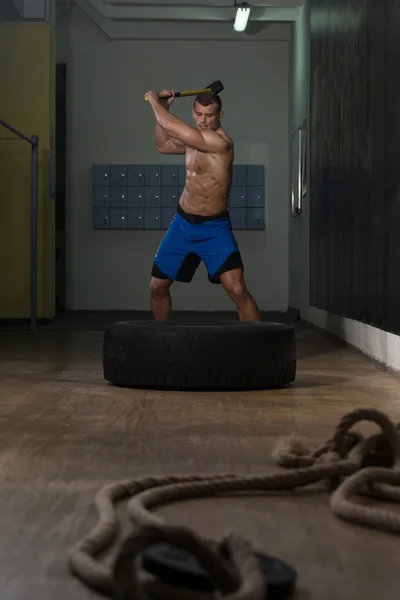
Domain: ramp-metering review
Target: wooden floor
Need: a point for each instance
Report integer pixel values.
(64, 433)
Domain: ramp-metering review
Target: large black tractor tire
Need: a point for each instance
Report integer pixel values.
(228, 355)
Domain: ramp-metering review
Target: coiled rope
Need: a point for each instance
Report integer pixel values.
(351, 463)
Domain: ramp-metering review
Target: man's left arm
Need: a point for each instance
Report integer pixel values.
(206, 141)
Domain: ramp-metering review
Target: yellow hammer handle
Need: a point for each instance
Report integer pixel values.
(180, 94)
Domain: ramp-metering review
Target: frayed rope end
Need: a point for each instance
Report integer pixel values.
(292, 451)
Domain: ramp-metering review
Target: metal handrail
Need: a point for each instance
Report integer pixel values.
(34, 142)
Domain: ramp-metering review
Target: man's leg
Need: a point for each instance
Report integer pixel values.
(221, 255)
(160, 297)
(165, 267)
(235, 286)
(174, 261)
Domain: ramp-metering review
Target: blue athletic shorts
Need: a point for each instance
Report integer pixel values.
(191, 239)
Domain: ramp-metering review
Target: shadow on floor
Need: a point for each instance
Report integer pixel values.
(307, 380)
(100, 320)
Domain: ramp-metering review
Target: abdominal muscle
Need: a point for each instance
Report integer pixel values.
(208, 182)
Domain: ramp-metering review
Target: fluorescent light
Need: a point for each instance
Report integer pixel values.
(242, 16)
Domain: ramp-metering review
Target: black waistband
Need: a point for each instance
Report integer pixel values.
(198, 219)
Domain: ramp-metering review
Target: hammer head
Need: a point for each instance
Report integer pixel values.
(216, 87)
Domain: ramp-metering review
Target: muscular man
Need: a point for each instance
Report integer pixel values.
(201, 230)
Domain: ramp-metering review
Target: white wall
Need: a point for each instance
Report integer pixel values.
(299, 227)
(108, 122)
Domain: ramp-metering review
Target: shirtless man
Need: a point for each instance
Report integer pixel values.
(201, 230)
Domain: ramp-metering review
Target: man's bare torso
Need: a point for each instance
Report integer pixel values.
(208, 180)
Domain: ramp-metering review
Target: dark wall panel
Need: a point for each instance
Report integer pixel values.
(355, 191)
(360, 168)
(377, 206)
(392, 163)
(338, 147)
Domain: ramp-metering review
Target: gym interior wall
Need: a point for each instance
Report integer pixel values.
(109, 123)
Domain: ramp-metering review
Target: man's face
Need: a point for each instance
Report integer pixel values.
(206, 117)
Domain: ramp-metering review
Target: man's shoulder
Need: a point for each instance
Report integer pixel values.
(221, 137)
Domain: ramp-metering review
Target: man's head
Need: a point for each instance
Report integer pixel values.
(207, 111)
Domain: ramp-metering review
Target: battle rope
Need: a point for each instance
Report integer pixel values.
(371, 466)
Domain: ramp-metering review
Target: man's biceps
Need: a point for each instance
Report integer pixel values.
(177, 142)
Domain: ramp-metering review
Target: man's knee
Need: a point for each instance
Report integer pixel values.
(237, 290)
(234, 285)
(159, 287)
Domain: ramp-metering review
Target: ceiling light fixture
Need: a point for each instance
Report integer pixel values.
(242, 16)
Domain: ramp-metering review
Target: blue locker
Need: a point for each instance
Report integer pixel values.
(255, 175)
(101, 196)
(101, 218)
(255, 218)
(169, 196)
(237, 197)
(135, 174)
(255, 196)
(100, 175)
(135, 218)
(152, 196)
(118, 196)
(118, 174)
(152, 175)
(239, 175)
(169, 175)
(135, 196)
(238, 218)
(152, 218)
(118, 218)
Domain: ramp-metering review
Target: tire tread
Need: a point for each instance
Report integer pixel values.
(215, 357)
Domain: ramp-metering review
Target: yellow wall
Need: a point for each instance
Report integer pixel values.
(27, 102)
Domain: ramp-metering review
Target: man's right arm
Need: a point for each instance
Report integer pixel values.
(166, 144)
